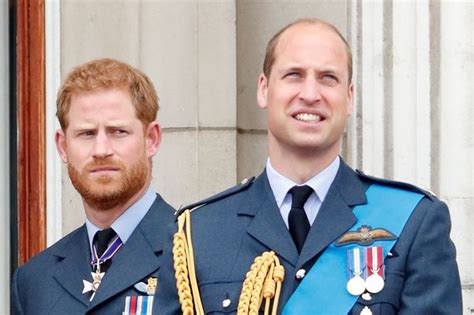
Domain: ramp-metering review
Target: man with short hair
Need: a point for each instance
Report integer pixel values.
(108, 136)
(310, 235)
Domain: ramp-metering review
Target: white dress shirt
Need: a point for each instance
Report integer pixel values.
(320, 183)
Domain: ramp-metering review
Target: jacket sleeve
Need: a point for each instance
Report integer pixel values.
(432, 284)
(15, 298)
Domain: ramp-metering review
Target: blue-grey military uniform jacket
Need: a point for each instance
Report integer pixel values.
(234, 227)
(51, 282)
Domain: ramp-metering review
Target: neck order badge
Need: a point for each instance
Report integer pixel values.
(319, 294)
(114, 245)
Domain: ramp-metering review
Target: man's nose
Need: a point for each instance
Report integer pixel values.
(310, 90)
(102, 146)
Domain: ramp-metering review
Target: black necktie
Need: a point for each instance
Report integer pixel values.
(297, 219)
(101, 242)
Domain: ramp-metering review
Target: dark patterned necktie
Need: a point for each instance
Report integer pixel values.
(101, 242)
(297, 220)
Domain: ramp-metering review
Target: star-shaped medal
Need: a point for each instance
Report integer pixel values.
(94, 285)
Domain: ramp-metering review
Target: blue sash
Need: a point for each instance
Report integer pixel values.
(323, 289)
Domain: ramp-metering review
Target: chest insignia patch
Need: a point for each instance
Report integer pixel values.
(365, 236)
(148, 288)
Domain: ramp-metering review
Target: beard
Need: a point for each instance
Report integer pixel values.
(108, 191)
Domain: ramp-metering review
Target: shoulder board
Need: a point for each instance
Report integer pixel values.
(244, 184)
(396, 184)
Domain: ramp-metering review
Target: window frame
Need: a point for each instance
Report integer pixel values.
(30, 212)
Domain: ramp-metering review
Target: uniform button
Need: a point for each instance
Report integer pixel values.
(244, 181)
(366, 311)
(300, 274)
(226, 303)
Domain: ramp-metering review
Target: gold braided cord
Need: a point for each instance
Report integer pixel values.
(181, 270)
(191, 266)
(185, 275)
(263, 281)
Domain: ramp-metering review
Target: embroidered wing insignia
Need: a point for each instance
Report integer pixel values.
(141, 287)
(148, 288)
(365, 236)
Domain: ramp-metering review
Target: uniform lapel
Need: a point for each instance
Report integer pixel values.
(138, 258)
(335, 215)
(74, 265)
(267, 226)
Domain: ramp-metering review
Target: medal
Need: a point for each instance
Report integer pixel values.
(97, 276)
(96, 281)
(94, 285)
(374, 282)
(356, 284)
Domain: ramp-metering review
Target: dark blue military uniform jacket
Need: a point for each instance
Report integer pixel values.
(51, 282)
(234, 227)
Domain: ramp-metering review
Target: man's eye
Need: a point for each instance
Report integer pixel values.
(88, 133)
(292, 74)
(330, 77)
(119, 132)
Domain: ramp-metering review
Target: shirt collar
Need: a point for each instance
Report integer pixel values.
(129, 220)
(320, 183)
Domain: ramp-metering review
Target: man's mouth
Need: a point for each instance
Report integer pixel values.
(308, 117)
(104, 170)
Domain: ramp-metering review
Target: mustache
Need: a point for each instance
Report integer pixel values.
(103, 163)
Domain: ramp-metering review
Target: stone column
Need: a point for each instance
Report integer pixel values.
(455, 132)
(413, 120)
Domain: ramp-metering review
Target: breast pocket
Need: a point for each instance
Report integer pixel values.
(386, 302)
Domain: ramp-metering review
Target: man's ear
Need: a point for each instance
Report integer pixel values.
(60, 139)
(262, 89)
(350, 96)
(152, 138)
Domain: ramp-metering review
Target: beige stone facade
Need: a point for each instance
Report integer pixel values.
(413, 63)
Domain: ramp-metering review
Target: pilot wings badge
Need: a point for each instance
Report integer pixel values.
(365, 236)
(148, 288)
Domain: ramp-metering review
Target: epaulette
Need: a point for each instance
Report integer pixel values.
(244, 184)
(396, 184)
